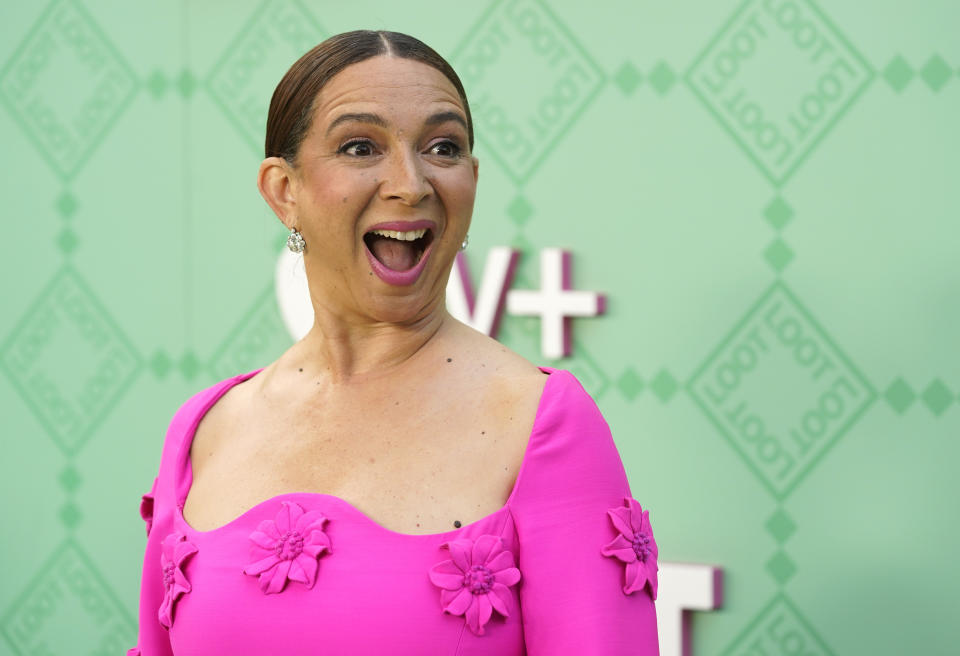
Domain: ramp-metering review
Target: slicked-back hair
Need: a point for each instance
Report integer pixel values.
(291, 107)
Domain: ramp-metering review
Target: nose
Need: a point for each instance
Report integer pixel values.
(405, 179)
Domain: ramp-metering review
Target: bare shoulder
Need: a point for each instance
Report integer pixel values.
(508, 379)
(223, 418)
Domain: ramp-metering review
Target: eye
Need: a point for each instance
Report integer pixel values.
(358, 148)
(445, 148)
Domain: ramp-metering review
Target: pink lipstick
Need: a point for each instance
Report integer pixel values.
(408, 276)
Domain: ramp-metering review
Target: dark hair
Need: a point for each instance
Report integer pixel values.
(291, 108)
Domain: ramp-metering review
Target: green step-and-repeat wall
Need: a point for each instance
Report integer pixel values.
(765, 190)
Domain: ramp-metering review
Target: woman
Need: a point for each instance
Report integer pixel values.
(396, 482)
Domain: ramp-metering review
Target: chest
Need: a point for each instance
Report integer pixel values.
(411, 466)
(371, 593)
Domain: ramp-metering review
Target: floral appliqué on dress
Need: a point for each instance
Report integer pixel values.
(474, 581)
(634, 545)
(175, 552)
(146, 507)
(287, 548)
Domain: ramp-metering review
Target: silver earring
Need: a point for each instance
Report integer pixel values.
(466, 239)
(295, 241)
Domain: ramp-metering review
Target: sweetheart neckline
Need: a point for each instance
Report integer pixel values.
(184, 473)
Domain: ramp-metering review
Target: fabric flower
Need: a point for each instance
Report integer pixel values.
(175, 552)
(474, 581)
(146, 509)
(634, 545)
(287, 547)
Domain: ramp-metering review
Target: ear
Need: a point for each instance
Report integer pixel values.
(476, 168)
(278, 183)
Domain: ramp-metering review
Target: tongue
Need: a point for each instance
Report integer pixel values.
(393, 253)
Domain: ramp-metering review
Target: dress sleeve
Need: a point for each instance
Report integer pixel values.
(157, 508)
(586, 550)
(152, 639)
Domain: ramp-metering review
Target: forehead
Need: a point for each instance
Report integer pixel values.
(390, 84)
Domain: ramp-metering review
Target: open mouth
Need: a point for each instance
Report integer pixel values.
(398, 250)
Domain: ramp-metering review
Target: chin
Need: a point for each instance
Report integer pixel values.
(405, 306)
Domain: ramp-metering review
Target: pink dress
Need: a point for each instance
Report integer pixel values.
(567, 566)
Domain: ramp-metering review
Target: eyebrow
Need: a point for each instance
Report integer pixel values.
(376, 119)
(443, 117)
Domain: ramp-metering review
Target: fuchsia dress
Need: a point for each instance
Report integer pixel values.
(567, 566)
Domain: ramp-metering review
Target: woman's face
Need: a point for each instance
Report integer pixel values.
(384, 190)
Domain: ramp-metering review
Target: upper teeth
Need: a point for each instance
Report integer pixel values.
(409, 235)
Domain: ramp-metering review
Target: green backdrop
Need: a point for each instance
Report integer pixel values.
(761, 188)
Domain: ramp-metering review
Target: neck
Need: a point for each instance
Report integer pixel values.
(345, 351)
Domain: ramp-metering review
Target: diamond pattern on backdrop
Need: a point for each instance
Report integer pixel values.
(521, 119)
(275, 35)
(780, 526)
(66, 85)
(779, 390)
(936, 72)
(779, 629)
(586, 369)
(67, 606)
(257, 338)
(778, 77)
(778, 119)
(68, 324)
(936, 396)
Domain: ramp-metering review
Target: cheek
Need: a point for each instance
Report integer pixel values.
(327, 190)
(461, 192)
(337, 200)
